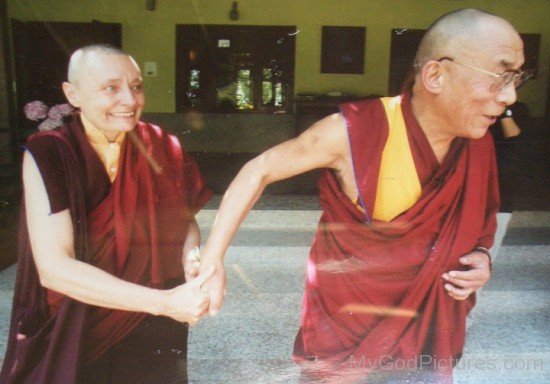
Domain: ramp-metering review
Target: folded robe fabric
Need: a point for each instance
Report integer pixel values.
(374, 291)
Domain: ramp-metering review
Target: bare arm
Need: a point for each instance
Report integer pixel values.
(51, 237)
(325, 144)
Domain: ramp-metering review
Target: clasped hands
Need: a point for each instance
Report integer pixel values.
(461, 284)
(188, 302)
(202, 294)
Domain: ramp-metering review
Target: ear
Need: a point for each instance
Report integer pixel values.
(432, 76)
(71, 94)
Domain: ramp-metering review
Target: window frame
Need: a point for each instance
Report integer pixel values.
(197, 48)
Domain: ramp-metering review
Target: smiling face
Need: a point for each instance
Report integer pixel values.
(470, 103)
(108, 89)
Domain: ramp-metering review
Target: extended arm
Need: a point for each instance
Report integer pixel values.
(325, 144)
(51, 237)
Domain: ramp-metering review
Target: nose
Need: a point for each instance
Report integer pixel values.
(127, 96)
(507, 94)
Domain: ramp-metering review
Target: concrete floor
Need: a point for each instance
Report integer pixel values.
(251, 340)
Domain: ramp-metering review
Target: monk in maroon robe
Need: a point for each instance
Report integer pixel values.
(106, 225)
(409, 199)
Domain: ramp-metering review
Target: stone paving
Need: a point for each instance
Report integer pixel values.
(251, 340)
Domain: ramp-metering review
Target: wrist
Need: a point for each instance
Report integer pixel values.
(159, 306)
(211, 257)
(487, 253)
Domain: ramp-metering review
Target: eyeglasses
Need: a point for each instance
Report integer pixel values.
(500, 80)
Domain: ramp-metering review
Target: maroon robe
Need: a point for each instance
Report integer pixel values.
(133, 229)
(374, 293)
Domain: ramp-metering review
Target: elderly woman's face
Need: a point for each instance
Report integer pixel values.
(109, 92)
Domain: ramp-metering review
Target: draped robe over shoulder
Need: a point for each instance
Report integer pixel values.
(133, 228)
(374, 291)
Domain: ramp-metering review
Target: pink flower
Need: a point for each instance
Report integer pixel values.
(36, 110)
(59, 111)
(49, 124)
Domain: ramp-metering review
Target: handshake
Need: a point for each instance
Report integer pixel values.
(202, 293)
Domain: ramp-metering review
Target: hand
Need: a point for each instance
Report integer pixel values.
(191, 264)
(187, 303)
(216, 285)
(462, 284)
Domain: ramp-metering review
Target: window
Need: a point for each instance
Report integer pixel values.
(224, 68)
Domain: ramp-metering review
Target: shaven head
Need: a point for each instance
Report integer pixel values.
(106, 85)
(458, 61)
(78, 58)
(453, 33)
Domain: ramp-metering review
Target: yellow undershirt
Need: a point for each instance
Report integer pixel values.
(398, 183)
(108, 152)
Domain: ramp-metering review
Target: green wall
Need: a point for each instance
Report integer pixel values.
(150, 35)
